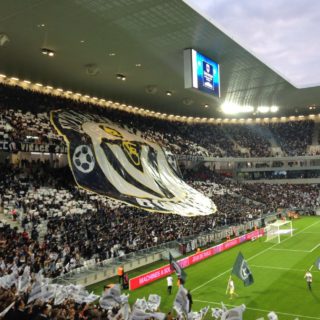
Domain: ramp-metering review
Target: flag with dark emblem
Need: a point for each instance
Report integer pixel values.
(242, 271)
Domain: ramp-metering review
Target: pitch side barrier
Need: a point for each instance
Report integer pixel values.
(164, 271)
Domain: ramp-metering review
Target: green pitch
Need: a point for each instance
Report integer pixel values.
(278, 271)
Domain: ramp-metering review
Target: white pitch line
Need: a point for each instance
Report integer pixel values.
(261, 310)
(278, 268)
(310, 232)
(315, 247)
(254, 256)
(293, 250)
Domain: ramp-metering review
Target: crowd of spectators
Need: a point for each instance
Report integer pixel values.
(45, 201)
(291, 196)
(294, 136)
(61, 226)
(81, 226)
(248, 137)
(18, 124)
(271, 196)
(72, 225)
(25, 127)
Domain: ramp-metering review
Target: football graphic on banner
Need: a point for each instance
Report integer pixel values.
(83, 159)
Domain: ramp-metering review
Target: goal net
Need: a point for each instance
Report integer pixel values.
(277, 230)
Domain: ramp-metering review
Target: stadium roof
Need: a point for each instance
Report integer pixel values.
(284, 33)
(94, 40)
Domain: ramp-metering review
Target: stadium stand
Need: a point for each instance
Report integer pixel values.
(294, 136)
(19, 125)
(56, 218)
(93, 203)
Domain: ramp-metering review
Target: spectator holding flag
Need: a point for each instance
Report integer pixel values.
(231, 288)
(189, 297)
(174, 265)
(242, 270)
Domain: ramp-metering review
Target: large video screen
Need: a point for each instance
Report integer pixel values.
(200, 72)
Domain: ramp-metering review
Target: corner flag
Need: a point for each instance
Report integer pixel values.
(242, 271)
(317, 264)
(176, 267)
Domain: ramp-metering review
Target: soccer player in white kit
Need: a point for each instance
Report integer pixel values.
(308, 277)
(169, 283)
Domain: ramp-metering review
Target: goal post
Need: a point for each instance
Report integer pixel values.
(275, 230)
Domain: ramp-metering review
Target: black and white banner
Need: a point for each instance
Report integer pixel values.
(111, 160)
(12, 146)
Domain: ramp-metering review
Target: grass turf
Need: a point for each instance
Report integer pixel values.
(278, 271)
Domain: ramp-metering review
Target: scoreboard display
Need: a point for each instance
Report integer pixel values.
(201, 73)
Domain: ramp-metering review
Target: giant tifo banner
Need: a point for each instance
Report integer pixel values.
(110, 159)
(164, 271)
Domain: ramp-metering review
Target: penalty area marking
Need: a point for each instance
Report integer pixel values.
(254, 256)
(315, 247)
(279, 268)
(260, 310)
(291, 250)
(310, 232)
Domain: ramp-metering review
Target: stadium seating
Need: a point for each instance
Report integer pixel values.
(62, 227)
(18, 124)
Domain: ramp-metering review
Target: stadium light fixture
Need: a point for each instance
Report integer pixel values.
(47, 52)
(121, 76)
(274, 108)
(263, 109)
(27, 81)
(3, 76)
(247, 109)
(229, 108)
(233, 108)
(15, 79)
